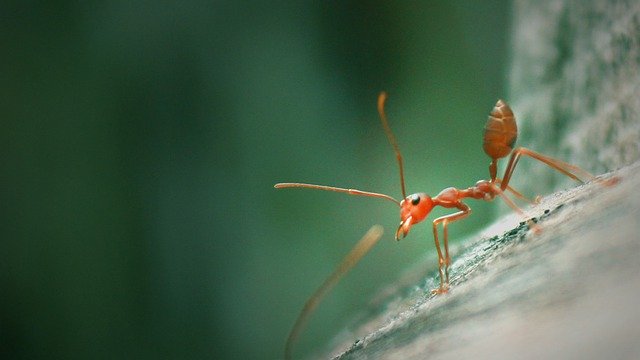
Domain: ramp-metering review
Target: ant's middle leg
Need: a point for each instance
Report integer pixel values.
(518, 194)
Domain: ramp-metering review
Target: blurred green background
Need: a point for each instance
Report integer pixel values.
(141, 141)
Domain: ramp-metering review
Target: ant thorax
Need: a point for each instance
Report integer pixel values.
(484, 190)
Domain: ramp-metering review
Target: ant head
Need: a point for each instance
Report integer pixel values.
(413, 209)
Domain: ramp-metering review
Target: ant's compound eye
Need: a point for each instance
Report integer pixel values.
(415, 199)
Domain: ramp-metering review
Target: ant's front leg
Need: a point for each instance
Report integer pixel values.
(445, 261)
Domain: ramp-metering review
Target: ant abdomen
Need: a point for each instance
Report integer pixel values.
(500, 131)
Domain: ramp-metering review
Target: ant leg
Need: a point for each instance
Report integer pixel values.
(440, 261)
(359, 250)
(572, 171)
(533, 226)
(518, 194)
(447, 258)
(444, 262)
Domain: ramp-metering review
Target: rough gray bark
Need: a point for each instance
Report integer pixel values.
(572, 290)
(575, 84)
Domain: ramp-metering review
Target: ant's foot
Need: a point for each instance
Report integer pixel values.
(535, 228)
(440, 290)
(611, 181)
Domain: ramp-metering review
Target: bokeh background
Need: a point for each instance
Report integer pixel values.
(141, 140)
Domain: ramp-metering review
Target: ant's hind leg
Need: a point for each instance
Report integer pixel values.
(572, 171)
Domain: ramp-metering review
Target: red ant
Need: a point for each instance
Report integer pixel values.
(500, 133)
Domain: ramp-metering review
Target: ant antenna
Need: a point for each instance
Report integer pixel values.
(392, 139)
(359, 250)
(336, 189)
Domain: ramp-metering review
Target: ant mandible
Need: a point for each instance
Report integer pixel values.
(500, 134)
